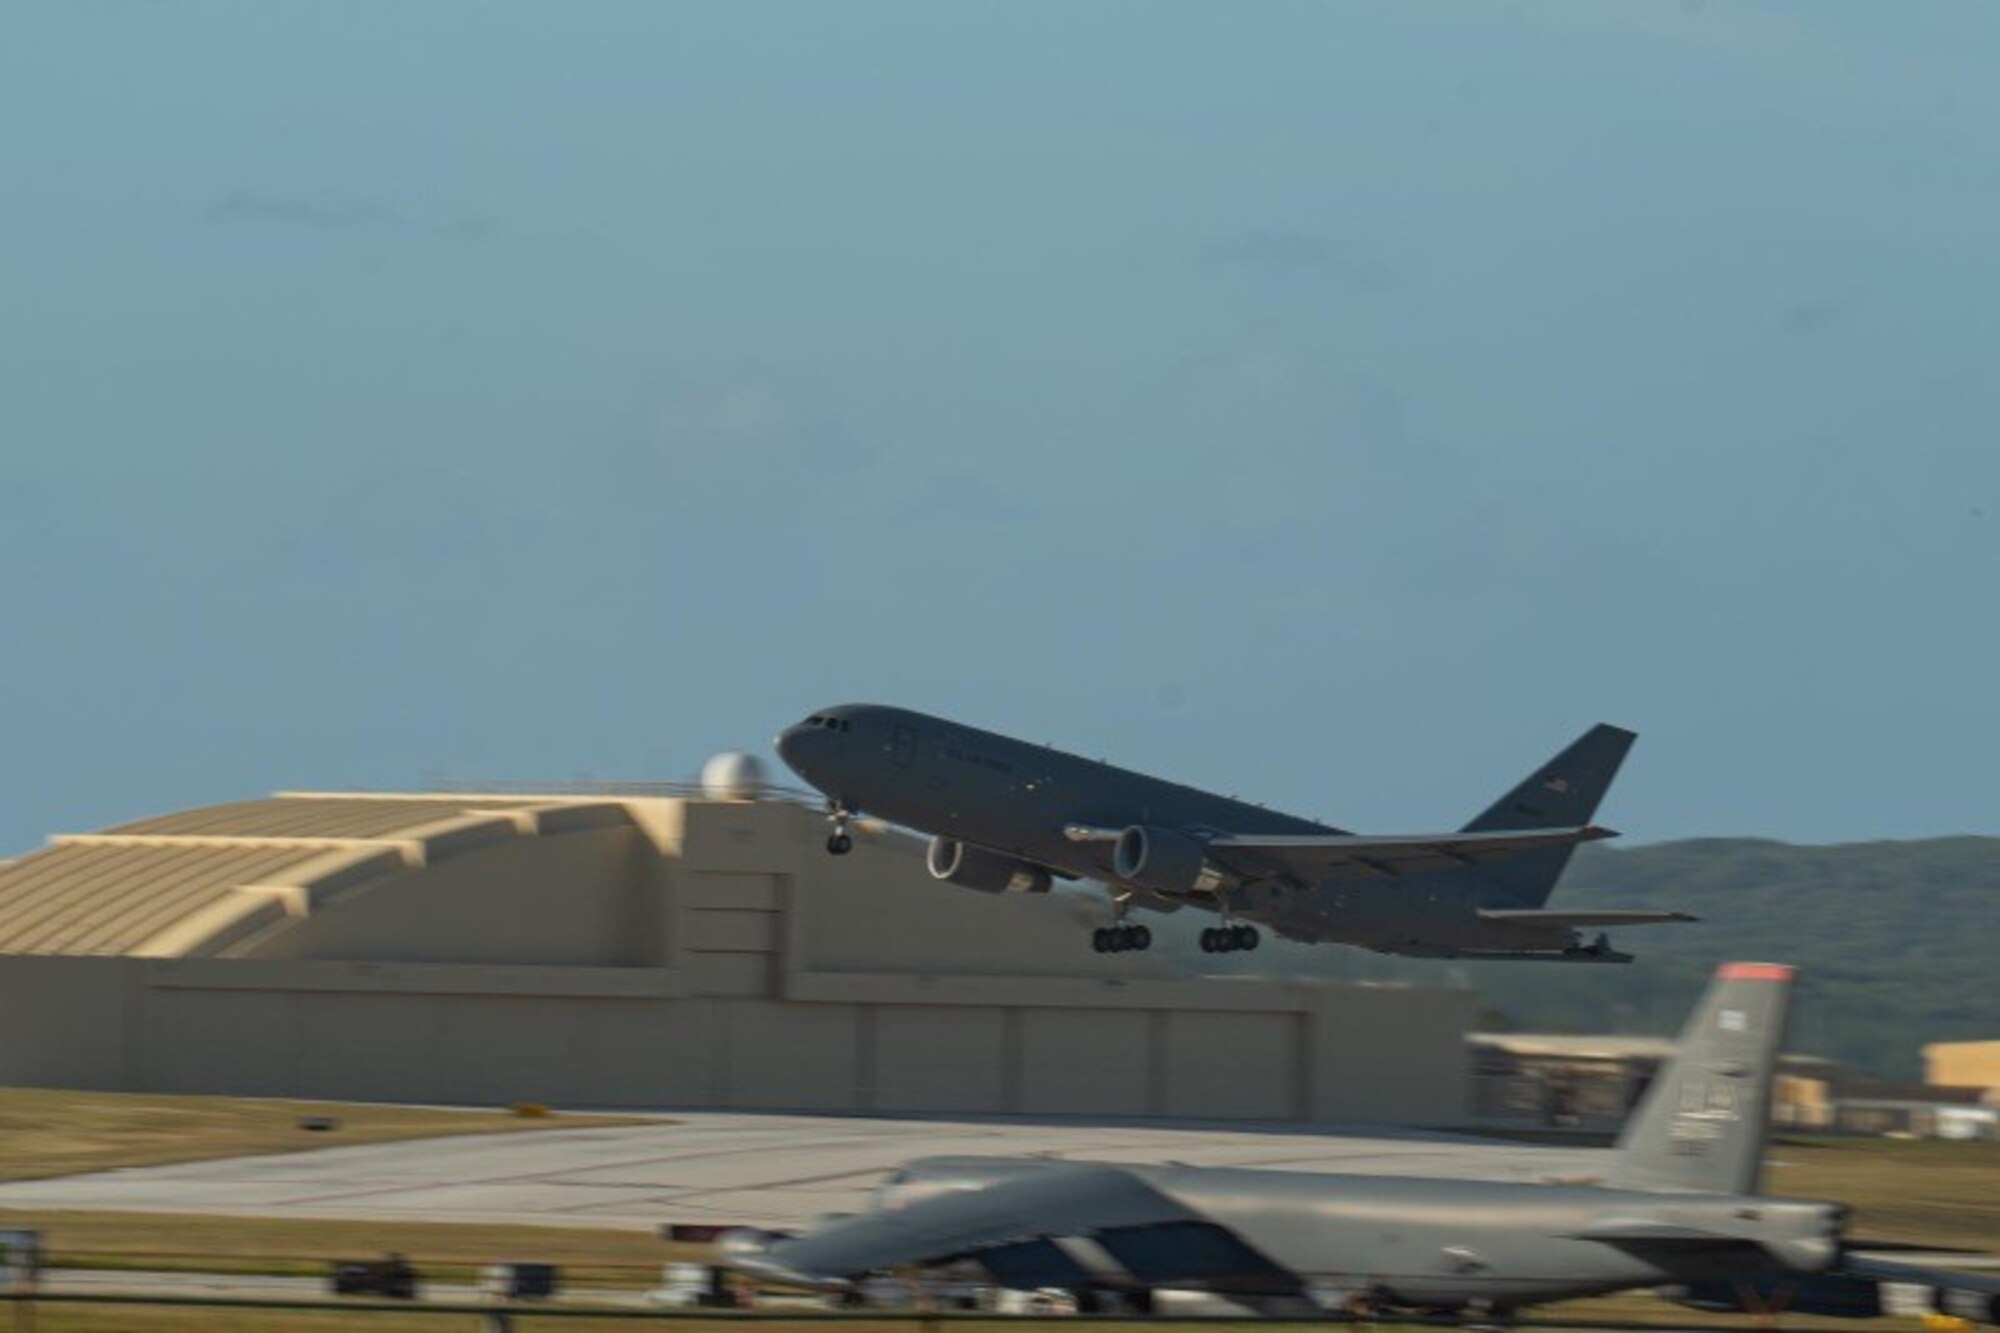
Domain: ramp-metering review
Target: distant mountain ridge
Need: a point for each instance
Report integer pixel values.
(1896, 943)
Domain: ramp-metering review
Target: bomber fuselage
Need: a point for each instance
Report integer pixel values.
(1439, 1243)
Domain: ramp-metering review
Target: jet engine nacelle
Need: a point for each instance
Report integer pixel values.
(1163, 860)
(971, 867)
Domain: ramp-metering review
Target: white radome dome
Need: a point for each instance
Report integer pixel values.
(732, 776)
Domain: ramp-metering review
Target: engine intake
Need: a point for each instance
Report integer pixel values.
(971, 867)
(1165, 861)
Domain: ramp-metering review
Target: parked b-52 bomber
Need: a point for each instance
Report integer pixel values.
(1679, 1207)
(1009, 816)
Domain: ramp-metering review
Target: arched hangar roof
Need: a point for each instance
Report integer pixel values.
(197, 882)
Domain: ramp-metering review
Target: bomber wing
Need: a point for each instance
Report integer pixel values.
(1313, 858)
(1062, 1225)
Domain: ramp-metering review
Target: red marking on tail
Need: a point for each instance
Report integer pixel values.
(1754, 972)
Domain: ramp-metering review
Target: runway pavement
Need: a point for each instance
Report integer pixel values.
(733, 1168)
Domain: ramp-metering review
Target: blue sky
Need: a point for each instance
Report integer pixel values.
(1341, 404)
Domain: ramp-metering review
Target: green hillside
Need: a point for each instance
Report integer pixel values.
(1895, 940)
(1896, 943)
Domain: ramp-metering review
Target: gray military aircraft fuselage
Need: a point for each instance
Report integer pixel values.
(1678, 1201)
(1010, 816)
(1265, 1236)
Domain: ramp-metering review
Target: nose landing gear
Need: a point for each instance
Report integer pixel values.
(839, 842)
(1229, 939)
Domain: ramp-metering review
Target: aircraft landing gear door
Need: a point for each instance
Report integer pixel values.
(902, 745)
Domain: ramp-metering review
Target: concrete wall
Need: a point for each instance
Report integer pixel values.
(714, 956)
(633, 1038)
(68, 1022)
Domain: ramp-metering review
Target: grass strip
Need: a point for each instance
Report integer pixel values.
(48, 1132)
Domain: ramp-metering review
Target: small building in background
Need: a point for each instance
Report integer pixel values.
(1805, 1095)
(1964, 1064)
(1915, 1110)
(1588, 1084)
(1561, 1081)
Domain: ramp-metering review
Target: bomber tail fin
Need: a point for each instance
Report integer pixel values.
(1563, 793)
(1703, 1122)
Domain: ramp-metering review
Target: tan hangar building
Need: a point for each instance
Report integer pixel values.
(652, 951)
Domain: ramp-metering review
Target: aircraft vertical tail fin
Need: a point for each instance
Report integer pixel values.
(1703, 1122)
(1563, 793)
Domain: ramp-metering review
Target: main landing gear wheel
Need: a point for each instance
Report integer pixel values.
(840, 844)
(1229, 939)
(1118, 939)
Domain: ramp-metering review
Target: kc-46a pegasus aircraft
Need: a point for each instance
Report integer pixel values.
(1008, 816)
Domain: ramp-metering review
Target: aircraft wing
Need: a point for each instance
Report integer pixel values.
(1259, 856)
(1535, 916)
(1067, 1225)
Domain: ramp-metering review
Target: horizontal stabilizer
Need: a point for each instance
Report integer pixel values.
(1643, 1231)
(1538, 916)
(1594, 954)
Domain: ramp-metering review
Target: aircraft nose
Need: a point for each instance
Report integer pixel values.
(792, 744)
